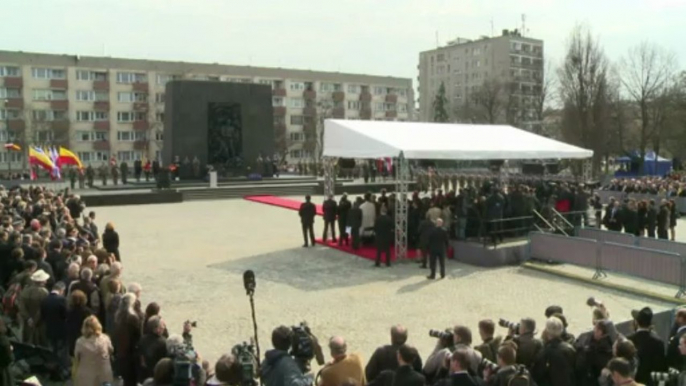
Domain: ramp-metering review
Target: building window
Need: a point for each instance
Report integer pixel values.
(130, 116)
(353, 105)
(92, 96)
(297, 120)
(131, 97)
(10, 93)
(129, 156)
(378, 106)
(48, 73)
(389, 106)
(159, 136)
(49, 115)
(326, 87)
(49, 95)
(296, 86)
(402, 107)
(402, 92)
(85, 156)
(159, 116)
(9, 71)
(267, 82)
(91, 136)
(379, 90)
(297, 137)
(44, 136)
(131, 77)
(131, 135)
(353, 88)
(91, 75)
(90, 116)
(278, 102)
(159, 97)
(10, 114)
(297, 103)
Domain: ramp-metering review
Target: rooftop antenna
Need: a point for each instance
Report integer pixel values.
(492, 31)
(437, 45)
(523, 24)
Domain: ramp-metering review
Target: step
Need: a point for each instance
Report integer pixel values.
(216, 194)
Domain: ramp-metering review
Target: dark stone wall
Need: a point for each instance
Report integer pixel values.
(189, 107)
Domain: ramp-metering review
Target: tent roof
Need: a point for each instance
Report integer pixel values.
(420, 140)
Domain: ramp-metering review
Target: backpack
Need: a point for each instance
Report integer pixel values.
(520, 378)
(10, 300)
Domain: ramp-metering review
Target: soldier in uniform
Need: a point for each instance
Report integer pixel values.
(124, 168)
(82, 179)
(446, 183)
(196, 167)
(453, 182)
(115, 174)
(103, 174)
(137, 169)
(90, 175)
(72, 177)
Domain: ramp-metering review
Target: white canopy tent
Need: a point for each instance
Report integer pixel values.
(440, 141)
(437, 141)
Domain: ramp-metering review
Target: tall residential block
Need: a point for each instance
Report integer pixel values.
(102, 107)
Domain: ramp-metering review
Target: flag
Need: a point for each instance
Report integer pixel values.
(12, 146)
(55, 157)
(38, 157)
(67, 157)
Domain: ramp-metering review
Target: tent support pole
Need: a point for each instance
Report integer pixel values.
(401, 186)
(587, 170)
(329, 177)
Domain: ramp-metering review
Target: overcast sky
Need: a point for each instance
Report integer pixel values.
(379, 37)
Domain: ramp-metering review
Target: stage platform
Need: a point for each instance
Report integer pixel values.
(510, 252)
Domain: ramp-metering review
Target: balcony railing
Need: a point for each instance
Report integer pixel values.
(59, 83)
(101, 145)
(365, 96)
(280, 92)
(141, 125)
(16, 125)
(13, 82)
(101, 105)
(310, 94)
(101, 85)
(141, 86)
(310, 111)
(101, 125)
(391, 98)
(59, 104)
(141, 106)
(338, 112)
(60, 125)
(338, 96)
(279, 111)
(140, 145)
(15, 103)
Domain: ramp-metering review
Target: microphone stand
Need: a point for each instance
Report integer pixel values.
(251, 294)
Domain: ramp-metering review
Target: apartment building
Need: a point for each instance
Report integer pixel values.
(464, 66)
(101, 107)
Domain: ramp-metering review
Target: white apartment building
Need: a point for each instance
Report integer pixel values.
(101, 107)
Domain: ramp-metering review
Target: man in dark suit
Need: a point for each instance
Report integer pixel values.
(307, 212)
(152, 346)
(459, 375)
(383, 236)
(405, 374)
(386, 357)
(355, 222)
(651, 220)
(649, 347)
(438, 246)
(425, 229)
(343, 209)
(54, 313)
(674, 357)
(330, 208)
(663, 220)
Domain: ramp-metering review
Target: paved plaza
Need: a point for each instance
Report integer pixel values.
(190, 258)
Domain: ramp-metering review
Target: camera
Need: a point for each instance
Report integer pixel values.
(301, 342)
(659, 377)
(193, 324)
(507, 324)
(487, 364)
(184, 357)
(245, 357)
(438, 334)
(593, 302)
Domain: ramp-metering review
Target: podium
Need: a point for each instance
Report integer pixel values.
(213, 179)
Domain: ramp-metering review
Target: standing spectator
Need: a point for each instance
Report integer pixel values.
(383, 236)
(343, 210)
(489, 347)
(127, 333)
(355, 223)
(54, 311)
(405, 374)
(152, 347)
(110, 240)
(92, 355)
(344, 367)
(528, 346)
(438, 246)
(555, 364)
(622, 348)
(307, 212)
(114, 287)
(115, 274)
(6, 357)
(77, 312)
(594, 356)
(663, 220)
(673, 216)
(30, 299)
(89, 288)
(651, 219)
(459, 370)
(674, 358)
(279, 368)
(330, 208)
(650, 348)
(386, 357)
(462, 338)
(621, 372)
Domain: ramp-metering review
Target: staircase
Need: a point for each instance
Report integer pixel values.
(301, 189)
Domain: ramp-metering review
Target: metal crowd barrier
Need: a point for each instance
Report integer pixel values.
(606, 194)
(665, 263)
(606, 236)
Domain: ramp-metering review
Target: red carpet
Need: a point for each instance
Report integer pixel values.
(281, 202)
(368, 252)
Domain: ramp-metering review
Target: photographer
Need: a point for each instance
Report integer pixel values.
(528, 346)
(459, 370)
(649, 346)
(434, 366)
(674, 358)
(621, 372)
(593, 356)
(386, 357)
(507, 369)
(489, 347)
(187, 363)
(227, 372)
(554, 365)
(343, 367)
(279, 368)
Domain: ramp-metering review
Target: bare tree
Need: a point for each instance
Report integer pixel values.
(583, 78)
(489, 101)
(544, 96)
(647, 70)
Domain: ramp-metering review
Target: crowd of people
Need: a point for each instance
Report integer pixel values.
(672, 185)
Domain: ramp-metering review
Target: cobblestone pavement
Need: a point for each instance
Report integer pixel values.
(190, 258)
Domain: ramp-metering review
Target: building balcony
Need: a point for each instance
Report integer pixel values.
(101, 125)
(101, 85)
(280, 129)
(101, 105)
(391, 114)
(309, 129)
(338, 113)
(366, 113)
(16, 125)
(280, 92)
(310, 94)
(365, 96)
(140, 86)
(279, 111)
(15, 103)
(310, 111)
(59, 105)
(140, 145)
(59, 83)
(61, 140)
(14, 82)
(60, 125)
(141, 106)
(141, 125)
(391, 98)
(101, 145)
(338, 96)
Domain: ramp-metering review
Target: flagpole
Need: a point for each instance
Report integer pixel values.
(7, 129)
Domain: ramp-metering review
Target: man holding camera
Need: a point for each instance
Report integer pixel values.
(459, 370)
(528, 346)
(278, 367)
(386, 357)
(650, 349)
(674, 358)
(555, 364)
(507, 369)
(489, 347)
(344, 367)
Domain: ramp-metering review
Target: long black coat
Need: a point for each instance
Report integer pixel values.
(555, 364)
(383, 231)
(355, 217)
(650, 350)
(307, 212)
(110, 241)
(329, 208)
(343, 209)
(54, 313)
(386, 358)
(74, 322)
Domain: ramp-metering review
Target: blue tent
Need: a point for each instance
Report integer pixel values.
(652, 165)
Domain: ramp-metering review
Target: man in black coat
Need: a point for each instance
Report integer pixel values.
(425, 229)
(386, 357)
(459, 374)
(152, 346)
(674, 357)
(330, 208)
(307, 212)
(555, 363)
(663, 221)
(528, 346)
(54, 314)
(343, 209)
(438, 246)
(355, 222)
(651, 220)
(383, 236)
(137, 169)
(650, 349)
(405, 374)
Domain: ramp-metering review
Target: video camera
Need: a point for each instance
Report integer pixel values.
(185, 358)
(487, 364)
(662, 378)
(443, 335)
(301, 342)
(245, 357)
(507, 324)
